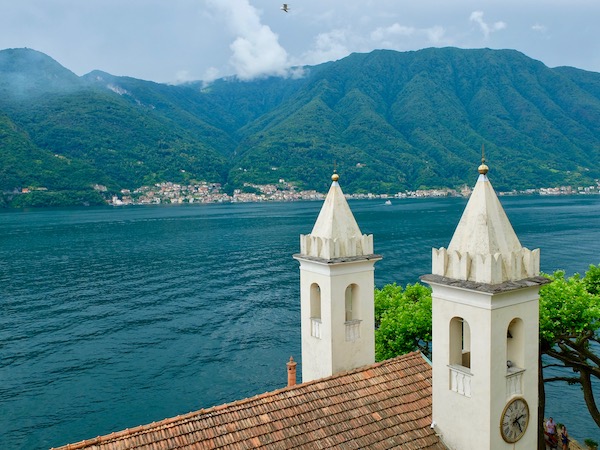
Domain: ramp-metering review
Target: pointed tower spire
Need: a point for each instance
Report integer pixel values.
(484, 247)
(336, 233)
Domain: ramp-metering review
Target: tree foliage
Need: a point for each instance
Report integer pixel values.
(402, 320)
(36, 199)
(570, 330)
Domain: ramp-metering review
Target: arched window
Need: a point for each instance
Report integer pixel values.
(315, 301)
(515, 344)
(460, 356)
(460, 342)
(515, 357)
(315, 310)
(351, 303)
(352, 313)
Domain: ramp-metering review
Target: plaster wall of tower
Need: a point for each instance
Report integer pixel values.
(473, 421)
(332, 351)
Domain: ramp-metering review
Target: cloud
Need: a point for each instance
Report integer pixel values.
(436, 35)
(340, 42)
(384, 33)
(256, 51)
(539, 28)
(183, 76)
(398, 36)
(487, 29)
(210, 75)
(328, 46)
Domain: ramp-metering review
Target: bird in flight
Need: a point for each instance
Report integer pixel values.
(285, 7)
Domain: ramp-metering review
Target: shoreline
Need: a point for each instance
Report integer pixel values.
(210, 193)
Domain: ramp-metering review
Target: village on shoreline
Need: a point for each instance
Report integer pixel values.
(205, 192)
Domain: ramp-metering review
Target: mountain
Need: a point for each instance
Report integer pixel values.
(390, 121)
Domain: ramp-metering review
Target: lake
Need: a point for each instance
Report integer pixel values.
(116, 317)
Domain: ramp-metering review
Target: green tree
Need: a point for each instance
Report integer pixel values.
(569, 330)
(591, 281)
(402, 320)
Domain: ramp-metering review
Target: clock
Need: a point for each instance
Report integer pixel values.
(514, 420)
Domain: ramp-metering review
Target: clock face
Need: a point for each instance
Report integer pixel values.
(514, 420)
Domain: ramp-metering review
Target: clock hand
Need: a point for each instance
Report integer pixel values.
(516, 421)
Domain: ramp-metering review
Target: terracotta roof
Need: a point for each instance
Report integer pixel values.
(380, 406)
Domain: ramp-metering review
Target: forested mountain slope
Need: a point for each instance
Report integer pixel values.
(390, 121)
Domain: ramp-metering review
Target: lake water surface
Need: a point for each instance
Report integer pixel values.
(115, 317)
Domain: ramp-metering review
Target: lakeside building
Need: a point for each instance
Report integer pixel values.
(205, 192)
(485, 315)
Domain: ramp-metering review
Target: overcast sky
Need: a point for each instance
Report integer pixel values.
(182, 40)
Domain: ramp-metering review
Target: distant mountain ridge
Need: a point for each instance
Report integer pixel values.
(390, 121)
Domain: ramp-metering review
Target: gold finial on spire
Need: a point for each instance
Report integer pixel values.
(335, 176)
(483, 169)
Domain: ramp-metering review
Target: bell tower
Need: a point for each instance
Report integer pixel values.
(336, 291)
(485, 290)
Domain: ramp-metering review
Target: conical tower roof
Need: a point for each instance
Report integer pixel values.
(335, 220)
(485, 247)
(484, 228)
(336, 233)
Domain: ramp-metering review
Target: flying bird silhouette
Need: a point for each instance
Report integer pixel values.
(285, 7)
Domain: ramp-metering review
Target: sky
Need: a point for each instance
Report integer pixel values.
(172, 41)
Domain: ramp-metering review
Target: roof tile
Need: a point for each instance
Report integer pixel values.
(382, 406)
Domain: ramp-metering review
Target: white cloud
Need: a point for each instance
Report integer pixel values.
(384, 33)
(398, 36)
(211, 74)
(486, 29)
(436, 35)
(256, 51)
(539, 28)
(340, 42)
(258, 54)
(183, 76)
(328, 46)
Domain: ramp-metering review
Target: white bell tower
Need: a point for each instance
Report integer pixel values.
(485, 331)
(336, 291)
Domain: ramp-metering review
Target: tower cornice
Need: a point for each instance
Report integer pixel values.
(485, 296)
(341, 260)
(498, 288)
